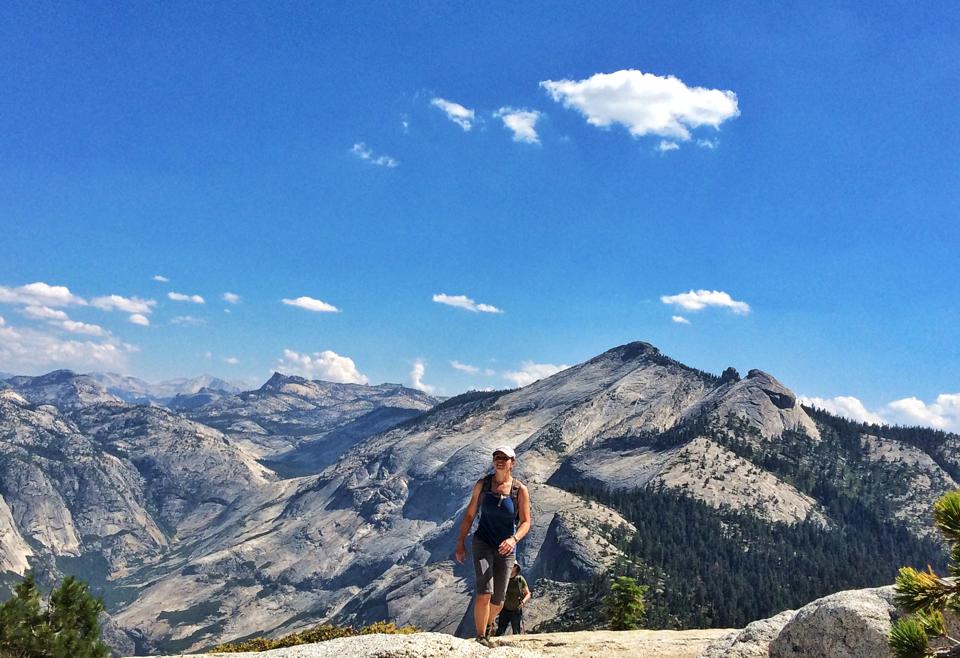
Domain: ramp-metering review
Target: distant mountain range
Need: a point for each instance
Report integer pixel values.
(229, 514)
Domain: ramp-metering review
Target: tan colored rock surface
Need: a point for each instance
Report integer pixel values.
(617, 644)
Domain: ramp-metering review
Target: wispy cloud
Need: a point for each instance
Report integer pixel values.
(464, 367)
(464, 302)
(645, 103)
(180, 297)
(697, 300)
(521, 122)
(327, 365)
(361, 151)
(231, 298)
(665, 146)
(125, 304)
(44, 313)
(416, 377)
(456, 112)
(679, 319)
(142, 320)
(311, 304)
(232, 360)
(187, 321)
(161, 278)
(530, 372)
(708, 143)
(84, 328)
(40, 294)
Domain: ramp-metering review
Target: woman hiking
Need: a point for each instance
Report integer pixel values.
(504, 505)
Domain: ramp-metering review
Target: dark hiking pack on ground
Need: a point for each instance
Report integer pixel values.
(514, 493)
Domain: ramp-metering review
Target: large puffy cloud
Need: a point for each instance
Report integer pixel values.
(40, 294)
(464, 302)
(697, 300)
(522, 123)
(126, 304)
(417, 373)
(311, 304)
(943, 414)
(84, 328)
(846, 406)
(327, 365)
(646, 104)
(460, 115)
(530, 372)
(28, 351)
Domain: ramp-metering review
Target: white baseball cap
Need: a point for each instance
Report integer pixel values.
(507, 450)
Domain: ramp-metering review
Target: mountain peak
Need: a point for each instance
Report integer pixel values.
(633, 350)
(278, 380)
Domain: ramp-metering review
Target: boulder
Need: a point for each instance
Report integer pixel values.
(851, 624)
(751, 642)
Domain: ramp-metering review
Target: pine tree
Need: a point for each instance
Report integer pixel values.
(927, 595)
(67, 628)
(624, 604)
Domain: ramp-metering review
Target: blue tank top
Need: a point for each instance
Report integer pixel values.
(497, 517)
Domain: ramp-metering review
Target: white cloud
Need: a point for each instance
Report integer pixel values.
(180, 297)
(416, 377)
(521, 122)
(2, 321)
(231, 298)
(208, 355)
(40, 294)
(530, 372)
(665, 146)
(125, 304)
(311, 304)
(326, 365)
(361, 151)
(679, 319)
(456, 112)
(846, 406)
(142, 320)
(44, 313)
(463, 367)
(708, 143)
(232, 360)
(697, 300)
(187, 321)
(161, 278)
(84, 328)
(944, 414)
(646, 104)
(28, 350)
(464, 302)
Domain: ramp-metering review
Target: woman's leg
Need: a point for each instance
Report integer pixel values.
(481, 613)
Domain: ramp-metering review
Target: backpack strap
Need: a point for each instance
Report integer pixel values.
(487, 483)
(515, 496)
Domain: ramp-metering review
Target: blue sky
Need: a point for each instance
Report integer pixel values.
(800, 161)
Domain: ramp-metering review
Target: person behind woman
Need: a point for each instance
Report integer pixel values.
(504, 505)
(518, 593)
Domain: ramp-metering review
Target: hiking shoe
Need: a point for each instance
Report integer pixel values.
(484, 640)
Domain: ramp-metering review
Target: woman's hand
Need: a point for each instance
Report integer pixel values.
(461, 553)
(507, 546)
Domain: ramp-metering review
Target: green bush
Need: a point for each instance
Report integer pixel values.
(67, 628)
(320, 633)
(624, 604)
(927, 595)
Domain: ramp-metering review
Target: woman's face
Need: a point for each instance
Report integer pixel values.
(502, 463)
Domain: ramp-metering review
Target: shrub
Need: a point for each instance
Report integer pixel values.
(320, 633)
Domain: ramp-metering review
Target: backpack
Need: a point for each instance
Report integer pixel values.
(514, 494)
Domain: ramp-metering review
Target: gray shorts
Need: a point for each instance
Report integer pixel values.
(492, 569)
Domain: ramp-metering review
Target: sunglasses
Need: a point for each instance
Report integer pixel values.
(500, 457)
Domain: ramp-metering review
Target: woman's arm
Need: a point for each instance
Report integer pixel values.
(468, 516)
